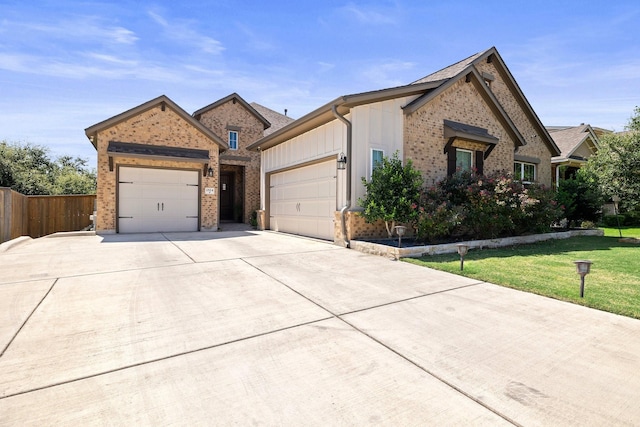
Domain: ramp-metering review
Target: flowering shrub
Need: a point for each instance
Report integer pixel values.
(470, 206)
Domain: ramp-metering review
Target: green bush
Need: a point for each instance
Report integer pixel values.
(392, 193)
(435, 219)
(580, 198)
(482, 207)
(612, 221)
(632, 217)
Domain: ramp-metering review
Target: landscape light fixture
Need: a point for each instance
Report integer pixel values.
(400, 230)
(462, 251)
(342, 161)
(616, 201)
(583, 267)
(210, 172)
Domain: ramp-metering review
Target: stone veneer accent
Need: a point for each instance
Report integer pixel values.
(153, 127)
(233, 116)
(451, 248)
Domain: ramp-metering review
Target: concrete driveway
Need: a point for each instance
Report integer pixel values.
(269, 329)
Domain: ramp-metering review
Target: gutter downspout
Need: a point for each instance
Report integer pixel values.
(344, 209)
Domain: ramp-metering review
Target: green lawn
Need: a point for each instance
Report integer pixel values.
(547, 268)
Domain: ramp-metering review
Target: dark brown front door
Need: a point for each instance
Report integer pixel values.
(227, 196)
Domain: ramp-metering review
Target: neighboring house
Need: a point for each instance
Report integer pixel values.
(577, 144)
(161, 169)
(471, 115)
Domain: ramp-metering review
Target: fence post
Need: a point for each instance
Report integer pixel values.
(5, 214)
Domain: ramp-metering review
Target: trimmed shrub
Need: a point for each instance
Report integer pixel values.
(482, 207)
(612, 221)
(581, 198)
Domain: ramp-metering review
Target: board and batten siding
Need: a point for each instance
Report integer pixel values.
(375, 126)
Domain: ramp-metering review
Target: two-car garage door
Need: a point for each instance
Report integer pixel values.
(303, 200)
(151, 200)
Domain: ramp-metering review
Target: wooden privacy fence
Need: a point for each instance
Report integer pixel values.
(38, 216)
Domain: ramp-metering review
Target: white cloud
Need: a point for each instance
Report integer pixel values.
(81, 28)
(371, 14)
(388, 74)
(181, 31)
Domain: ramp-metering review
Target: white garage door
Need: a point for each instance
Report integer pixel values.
(151, 200)
(303, 200)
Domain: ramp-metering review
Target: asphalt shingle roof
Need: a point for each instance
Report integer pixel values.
(276, 119)
(568, 139)
(450, 71)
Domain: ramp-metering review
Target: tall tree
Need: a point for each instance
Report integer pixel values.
(28, 169)
(616, 165)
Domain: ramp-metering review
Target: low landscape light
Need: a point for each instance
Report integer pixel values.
(462, 251)
(583, 267)
(400, 230)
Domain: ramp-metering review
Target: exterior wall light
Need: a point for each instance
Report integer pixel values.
(462, 251)
(210, 172)
(583, 267)
(342, 161)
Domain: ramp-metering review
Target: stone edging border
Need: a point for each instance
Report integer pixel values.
(447, 248)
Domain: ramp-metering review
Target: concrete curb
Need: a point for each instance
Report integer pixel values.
(449, 248)
(71, 234)
(14, 242)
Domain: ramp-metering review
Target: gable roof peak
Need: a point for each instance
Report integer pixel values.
(165, 102)
(235, 98)
(455, 69)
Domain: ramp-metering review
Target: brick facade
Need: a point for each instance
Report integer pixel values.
(517, 112)
(160, 125)
(233, 115)
(424, 139)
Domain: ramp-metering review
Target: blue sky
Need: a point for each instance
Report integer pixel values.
(66, 65)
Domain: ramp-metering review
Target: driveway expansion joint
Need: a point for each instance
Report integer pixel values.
(27, 319)
(171, 356)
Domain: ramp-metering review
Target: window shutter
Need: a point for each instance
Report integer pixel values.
(480, 162)
(451, 160)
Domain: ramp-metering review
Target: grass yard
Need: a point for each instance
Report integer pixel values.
(547, 268)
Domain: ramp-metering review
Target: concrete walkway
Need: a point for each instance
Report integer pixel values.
(246, 327)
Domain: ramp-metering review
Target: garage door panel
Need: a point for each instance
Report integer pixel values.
(151, 200)
(303, 200)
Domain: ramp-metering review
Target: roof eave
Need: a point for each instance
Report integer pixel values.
(228, 98)
(508, 77)
(92, 131)
(324, 115)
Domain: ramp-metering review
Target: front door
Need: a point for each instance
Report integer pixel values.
(227, 196)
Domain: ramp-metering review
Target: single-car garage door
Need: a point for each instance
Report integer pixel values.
(303, 200)
(151, 200)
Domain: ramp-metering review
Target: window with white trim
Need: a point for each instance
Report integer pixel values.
(464, 160)
(233, 140)
(525, 172)
(376, 158)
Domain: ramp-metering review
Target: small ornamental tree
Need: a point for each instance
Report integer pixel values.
(581, 199)
(392, 193)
